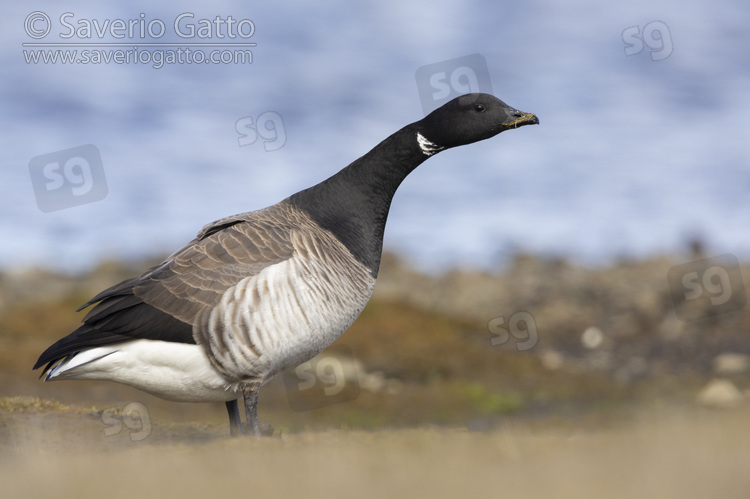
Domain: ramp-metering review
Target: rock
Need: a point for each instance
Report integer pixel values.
(731, 363)
(720, 393)
(592, 337)
(372, 381)
(552, 360)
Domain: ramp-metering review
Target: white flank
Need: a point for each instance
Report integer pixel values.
(173, 371)
(429, 148)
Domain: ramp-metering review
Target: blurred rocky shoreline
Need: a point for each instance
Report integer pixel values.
(632, 323)
(626, 310)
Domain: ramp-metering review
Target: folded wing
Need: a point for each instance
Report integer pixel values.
(163, 302)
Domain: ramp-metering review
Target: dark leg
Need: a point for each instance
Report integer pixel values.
(235, 421)
(251, 414)
(254, 427)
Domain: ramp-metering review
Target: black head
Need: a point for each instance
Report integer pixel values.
(470, 118)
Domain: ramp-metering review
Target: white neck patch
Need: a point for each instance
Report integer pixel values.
(429, 148)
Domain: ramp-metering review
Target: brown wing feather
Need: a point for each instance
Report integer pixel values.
(198, 275)
(164, 301)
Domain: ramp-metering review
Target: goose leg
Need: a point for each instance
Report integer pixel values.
(251, 414)
(235, 421)
(254, 427)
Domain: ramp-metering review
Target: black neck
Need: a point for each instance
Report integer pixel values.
(353, 204)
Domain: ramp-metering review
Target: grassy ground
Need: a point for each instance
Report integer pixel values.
(62, 452)
(428, 394)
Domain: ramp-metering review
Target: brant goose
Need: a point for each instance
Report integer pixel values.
(256, 293)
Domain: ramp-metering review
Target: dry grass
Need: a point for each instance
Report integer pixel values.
(660, 454)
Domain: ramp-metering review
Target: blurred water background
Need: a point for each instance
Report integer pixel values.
(637, 151)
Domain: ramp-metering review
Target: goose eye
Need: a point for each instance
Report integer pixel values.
(479, 108)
